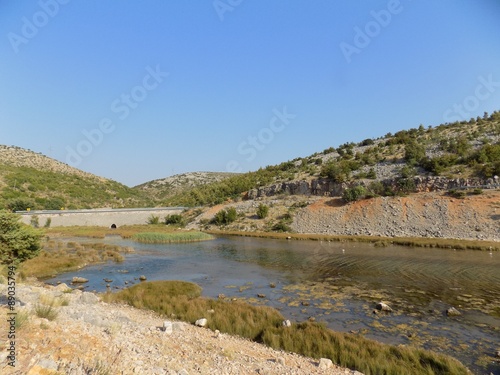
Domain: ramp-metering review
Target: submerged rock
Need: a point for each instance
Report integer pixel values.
(81, 280)
(381, 306)
(453, 312)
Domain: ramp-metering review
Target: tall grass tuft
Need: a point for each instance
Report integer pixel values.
(153, 237)
(48, 312)
(263, 324)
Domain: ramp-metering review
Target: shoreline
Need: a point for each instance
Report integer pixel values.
(443, 243)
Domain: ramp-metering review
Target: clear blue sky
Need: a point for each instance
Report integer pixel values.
(166, 87)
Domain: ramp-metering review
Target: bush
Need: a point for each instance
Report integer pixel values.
(175, 219)
(281, 227)
(376, 188)
(262, 211)
(47, 222)
(153, 219)
(19, 204)
(18, 242)
(406, 186)
(354, 194)
(226, 216)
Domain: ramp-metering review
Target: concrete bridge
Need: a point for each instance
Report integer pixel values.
(104, 217)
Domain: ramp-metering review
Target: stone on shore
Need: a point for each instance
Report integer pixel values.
(325, 363)
(201, 322)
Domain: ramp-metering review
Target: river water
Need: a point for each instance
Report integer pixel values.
(339, 284)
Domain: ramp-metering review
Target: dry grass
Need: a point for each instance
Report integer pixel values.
(444, 243)
(57, 257)
(263, 324)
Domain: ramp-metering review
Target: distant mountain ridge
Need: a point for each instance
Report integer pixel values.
(165, 187)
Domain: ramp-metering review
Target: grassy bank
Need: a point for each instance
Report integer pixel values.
(57, 257)
(158, 237)
(263, 324)
(443, 243)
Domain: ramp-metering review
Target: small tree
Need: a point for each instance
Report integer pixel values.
(354, 194)
(18, 241)
(226, 216)
(175, 219)
(262, 211)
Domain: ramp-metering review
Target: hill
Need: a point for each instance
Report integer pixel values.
(166, 187)
(455, 155)
(32, 180)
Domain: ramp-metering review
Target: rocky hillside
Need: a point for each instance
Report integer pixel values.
(170, 186)
(449, 156)
(32, 180)
(86, 336)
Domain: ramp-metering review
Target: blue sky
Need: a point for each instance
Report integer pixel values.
(136, 91)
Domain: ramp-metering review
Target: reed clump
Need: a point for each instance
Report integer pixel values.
(183, 301)
(158, 238)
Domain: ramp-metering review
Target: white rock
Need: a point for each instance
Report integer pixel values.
(201, 322)
(168, 327)
(325, 363)
(383, 307)
(178, 326)
(286, 323)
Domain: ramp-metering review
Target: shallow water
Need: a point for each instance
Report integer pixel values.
(340, 284)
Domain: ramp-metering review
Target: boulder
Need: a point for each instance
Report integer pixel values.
(62, 287)
(201, 322)
(286, 323)
(325, 363)
(142, 278)
(77, 280)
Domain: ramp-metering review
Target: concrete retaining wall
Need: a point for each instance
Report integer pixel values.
(99, 217)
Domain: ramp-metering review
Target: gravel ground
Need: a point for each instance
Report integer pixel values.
(93, 337)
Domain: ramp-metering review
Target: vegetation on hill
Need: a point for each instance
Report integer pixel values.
(461, 149)
(166, 187)
(458, 150)
(31, 180)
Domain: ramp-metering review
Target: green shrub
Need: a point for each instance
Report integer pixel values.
(406, 185)
(18, 242)
(477, 191)
(353, 194)
(262, 211)
(225, 216)
(281, 227)
(47, 223)
(19, 204)
(175, 219)
(190, 236)
(153, 220)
